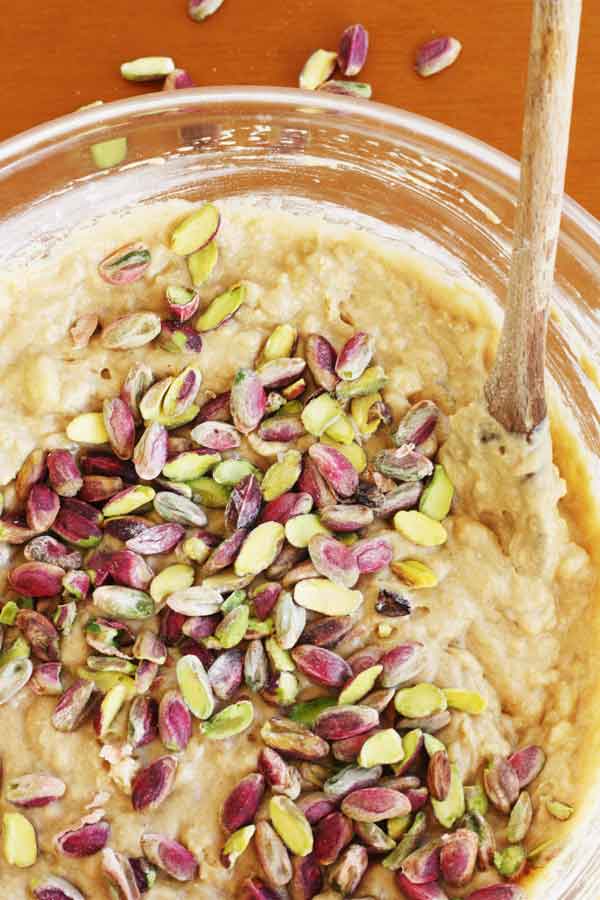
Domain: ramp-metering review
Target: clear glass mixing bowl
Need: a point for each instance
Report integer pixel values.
(362, 163)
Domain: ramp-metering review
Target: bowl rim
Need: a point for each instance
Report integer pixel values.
(14, 149)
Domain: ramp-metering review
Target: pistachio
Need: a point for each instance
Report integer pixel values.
(467, 701)
(355, 356)
(307, 879)
(355, 455)
(280, 343)
(147, 68)
(14, 531)
(498, 892)
(439, 775)
(332, 834)
(417, 425)
(37, 789)
(182, 392)
(321, 357)
(176, 337)
(313, 483)
(422, 866)
(264, 597)
(227, 581)
(300, 529)
(316, 806)
(122, 876)
(290, 620)
(196, 230)
(429, 891)
(236, 845)
(183, 303)
(293, 739)
(19, 649)
(320, 414)
(476, 799)
(337, 471)
(501, 784)
(52, 887)
(225, 674)
(382, 748)
(372, 554)
(321, 665)
(260, 549)
(110, 707)
(40, 634)
(231, 721)
(76, 528)
(170, 856)
(408, 844)
(423, 699)
(216, 409)
(321, 595)
(32, 471)
(157, 539)
(280, 372)
(405, 496)
(195, 687)
(379, 699)
(371, 381)
(45, 679)
(87, 428)
(346, 517)
(19, 839)
(145, 675)
(254, 889)
(520, 819)
(374, 804)
(286, 506)
(150, 453)
(105, 465)
(282, 475)
(352, 54)
(131, 331)
(198, 545)
(436, 55)
(256, 671)
(143, 721)
(272, 855)
(453, 807)
(306, 713)
(343, 722)
(291, 825)
(458, 856)
(172, 580)
(137, 382)
(152, 784)
(556, 808)
(527, 762)
(367, 413)
(317, 69)
(202, 263)
(36, 579)
(110, 664)
(420, 529)
(511, 861)
(241, 805)
(402, 663)
(347, 873)
(129, 500)
(129, 603)
(130, 570)
(85, 838)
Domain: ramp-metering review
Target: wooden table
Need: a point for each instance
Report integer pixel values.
(61, 54)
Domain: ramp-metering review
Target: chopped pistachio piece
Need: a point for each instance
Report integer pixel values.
(19, 840)
(467, 701)
(436, 499)
(381, 749)
(422, 700)
(147, 68)
(419, 528)
(559, 810)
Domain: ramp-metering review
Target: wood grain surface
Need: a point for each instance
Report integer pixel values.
(60, 54)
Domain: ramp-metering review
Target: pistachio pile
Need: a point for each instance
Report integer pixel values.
(226, 540)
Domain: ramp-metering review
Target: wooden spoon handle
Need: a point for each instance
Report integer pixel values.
(515, 390)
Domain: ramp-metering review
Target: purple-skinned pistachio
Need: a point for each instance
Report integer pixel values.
(120, 426)
(170, 856)
(300, 572)
(144, 873)
(51, 887)
(348, 749)
(436, 55)
(294, 390)
(321, 665)
(142, 727)
(417, 425)
(241, 804)
(348, 88)
(307, 878)
(157, 539)
(501, 784)
(34, 790)
(335, 468)
(76, 704)
(264, 599)
(215, 435)
(374, 804)
(152, 784)
(182, 392)
(87, 837)
(243, 506)
(278, 373)
(47, 549)
(343, 722)
(178, 337)
(429, 891)
(422, 866)
(365, 658)
(320, 358)
(40, 634)
(200, 627)
(346, 517)
(15, 531)
(64, 617)
(174, 721)
(281, 428)
(372, 554)
(216, 409)
(78, 507)
(272, 854)
(63, 472)
(125, 265)
(138, 380)
(392, 604)
(327, 631)
(247, 400)
(98, 488)
(226, 674)
(403, 464)
(402, 663)
(150, 453)
(118, 871)
(145, 675)
(355, 356)
(171, 624)
(125, 527)
(333, 560)
(458, 857)
(32, 471)
(281, 777)
(182, 302)
(130, 569)
(316, 805)
(46, 679)
(527, 762)
(286, 506)
(312, 482)
(352, 51)
(255, 889)
(42, 507)
(150, 647)
(130, 331)
(350, 779)
(225, 554)
(102, 464)
(76, 529)
(256, 666)
(348, 871)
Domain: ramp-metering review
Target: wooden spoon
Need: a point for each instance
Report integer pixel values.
(515, 391)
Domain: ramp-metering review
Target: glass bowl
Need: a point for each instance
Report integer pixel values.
(395, 174)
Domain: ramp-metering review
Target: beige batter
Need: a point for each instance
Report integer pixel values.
(513, 616)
